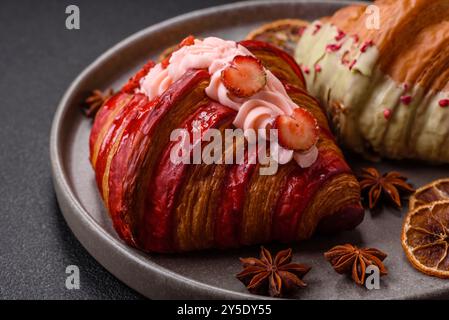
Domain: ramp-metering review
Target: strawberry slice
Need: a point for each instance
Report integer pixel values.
(299, 131)
(245, 76)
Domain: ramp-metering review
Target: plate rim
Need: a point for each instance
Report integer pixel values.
(68, 201)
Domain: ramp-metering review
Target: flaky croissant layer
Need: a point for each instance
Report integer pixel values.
(387, 89)
(161, 206)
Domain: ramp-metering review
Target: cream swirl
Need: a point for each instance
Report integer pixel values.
(256, 112)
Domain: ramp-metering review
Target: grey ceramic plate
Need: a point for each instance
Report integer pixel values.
(211, 274)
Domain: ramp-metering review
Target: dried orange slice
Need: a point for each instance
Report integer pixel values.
(425, 238)
(434, 191)
(284, 33)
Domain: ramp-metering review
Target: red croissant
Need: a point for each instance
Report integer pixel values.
(159, 206)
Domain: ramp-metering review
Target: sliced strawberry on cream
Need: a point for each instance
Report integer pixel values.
(245, 76)
(298, 131)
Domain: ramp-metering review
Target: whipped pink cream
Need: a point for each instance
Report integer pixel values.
(255, 112)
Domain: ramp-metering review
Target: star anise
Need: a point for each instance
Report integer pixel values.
(95, 101)
(276, 277)
(391, 185)
(348, 259)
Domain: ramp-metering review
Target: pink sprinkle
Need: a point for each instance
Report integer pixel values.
(387, 113)
(405, 86)
(306, 69)
(366, 45)
(355, 37)
(352, 64)
(406, 99)
(444, 103)
(317, 68)
(340, 35)
(301, 31)
(317, 28)
(333, 47)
